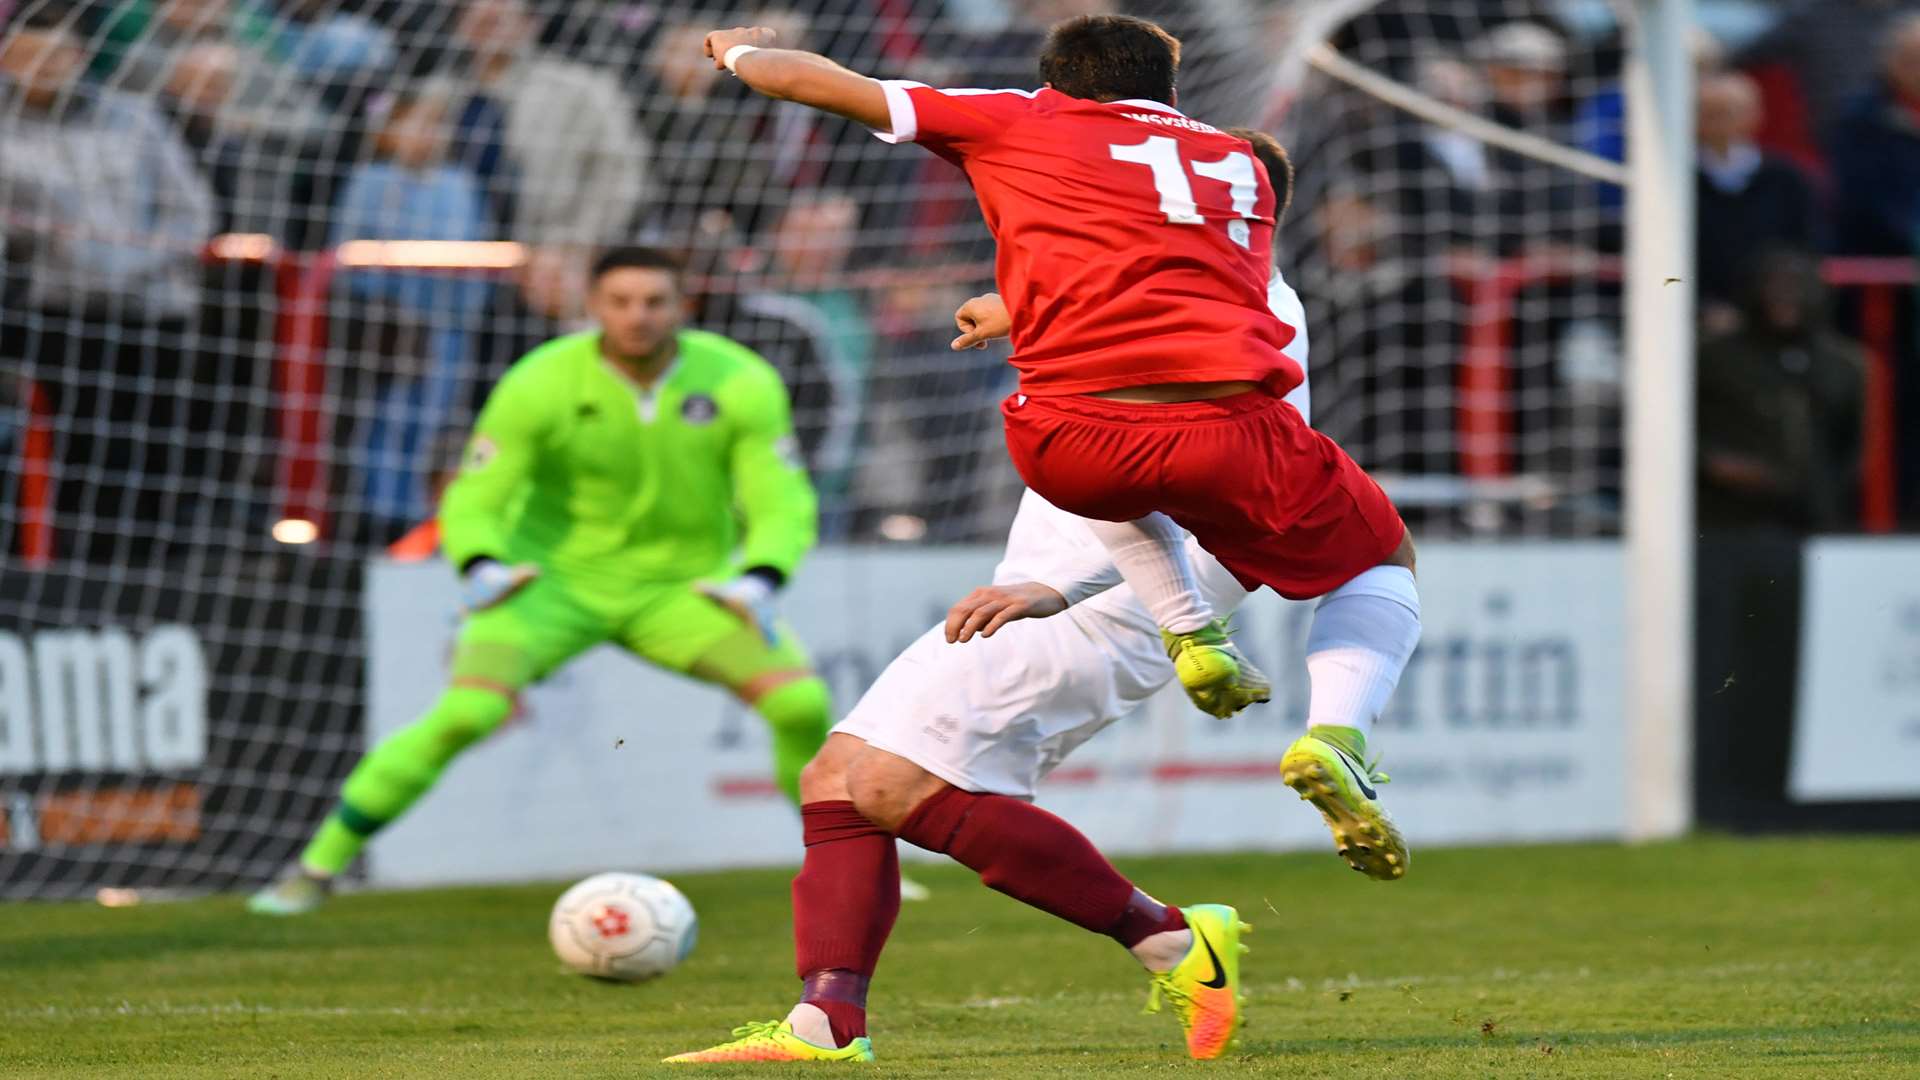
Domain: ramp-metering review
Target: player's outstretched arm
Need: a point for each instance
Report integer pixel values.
(793, 75)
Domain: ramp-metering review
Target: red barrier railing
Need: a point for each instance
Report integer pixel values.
(1879, 281)
(1484, 407)
(1483, 413)
(36, 478)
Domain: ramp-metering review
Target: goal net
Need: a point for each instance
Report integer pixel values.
(261, 260)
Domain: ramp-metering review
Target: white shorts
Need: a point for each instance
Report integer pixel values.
(995, 714)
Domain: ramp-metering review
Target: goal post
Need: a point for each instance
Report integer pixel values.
(1659, 439)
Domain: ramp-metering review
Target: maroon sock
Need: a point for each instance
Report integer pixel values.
(845, 900)
(1038, 859)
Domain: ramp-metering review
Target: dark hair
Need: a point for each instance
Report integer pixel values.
(635, 257)
(1279, 166)
(1111, 58)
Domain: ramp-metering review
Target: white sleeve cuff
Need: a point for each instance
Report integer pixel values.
(903, 122)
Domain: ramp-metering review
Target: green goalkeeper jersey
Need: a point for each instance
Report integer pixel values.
(575, 467)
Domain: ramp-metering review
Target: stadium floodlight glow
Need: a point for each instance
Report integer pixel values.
(903, 528)
(243, 247)
(295, 531)
(433, 254)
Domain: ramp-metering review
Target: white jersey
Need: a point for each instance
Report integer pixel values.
(1285, 305)
(997, 714)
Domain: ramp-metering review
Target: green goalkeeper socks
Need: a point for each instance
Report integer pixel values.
(403, 767)
(798, 715)
(331, 848)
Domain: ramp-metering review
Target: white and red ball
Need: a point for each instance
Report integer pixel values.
(623, 926)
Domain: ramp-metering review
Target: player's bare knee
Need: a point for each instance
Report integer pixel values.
(885, 787)
(824, 779)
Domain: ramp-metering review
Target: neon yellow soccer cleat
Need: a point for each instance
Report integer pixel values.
(773, 1040)
(1331, 777)
(1204, 988)
(1219, 679)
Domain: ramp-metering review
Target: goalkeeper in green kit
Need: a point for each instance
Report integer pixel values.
(639, 484)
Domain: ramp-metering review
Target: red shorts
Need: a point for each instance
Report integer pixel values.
(1278, 503)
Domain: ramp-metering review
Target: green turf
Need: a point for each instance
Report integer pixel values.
(1711, 958)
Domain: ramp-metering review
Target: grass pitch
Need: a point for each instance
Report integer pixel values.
(1709, 958)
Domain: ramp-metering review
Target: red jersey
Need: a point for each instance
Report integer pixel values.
(1135, 244)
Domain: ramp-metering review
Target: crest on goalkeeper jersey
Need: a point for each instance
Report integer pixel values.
(481, 451)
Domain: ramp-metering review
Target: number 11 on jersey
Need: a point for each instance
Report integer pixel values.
(1161, 154)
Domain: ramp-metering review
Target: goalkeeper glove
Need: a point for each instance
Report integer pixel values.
(488, 582)
(749, 596)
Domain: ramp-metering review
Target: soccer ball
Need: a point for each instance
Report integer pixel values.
(623, 926)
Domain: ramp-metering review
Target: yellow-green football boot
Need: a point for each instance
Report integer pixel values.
(1325, 767)
(1204, 988)
(773, 1040)
(1218, 677)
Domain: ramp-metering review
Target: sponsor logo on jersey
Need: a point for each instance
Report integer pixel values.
(699, 409)
(788, 448)
(481, 451)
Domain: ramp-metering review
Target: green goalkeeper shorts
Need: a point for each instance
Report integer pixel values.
(535, 631)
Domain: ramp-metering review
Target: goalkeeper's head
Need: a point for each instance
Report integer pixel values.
(638, 296)
(1279, 167)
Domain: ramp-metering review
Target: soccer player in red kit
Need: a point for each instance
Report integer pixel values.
(1133, 253)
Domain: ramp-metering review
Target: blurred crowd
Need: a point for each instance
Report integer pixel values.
(1424, 246)
(133, 131)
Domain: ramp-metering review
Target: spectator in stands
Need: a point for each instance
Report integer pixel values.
(706, 130)
(1443, 177)
(1779, 409)
(1814, 54)
(1525, 67)
(567, 132)
(411, 192)
(785, 330)
(338, 52)
(811, 245)
(104, 218)
(264, 99)
(1876, 154)
(1749, 201)
(1876, 165)
(933, 437)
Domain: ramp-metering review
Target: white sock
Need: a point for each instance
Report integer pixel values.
(1163, 951)
(1151, 553)
(1363, 633)
(810, 1023)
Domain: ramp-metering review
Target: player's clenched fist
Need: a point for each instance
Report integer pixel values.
(980, 320)
(720, 41)
(990, 607)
